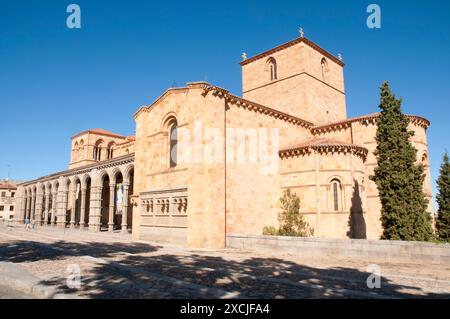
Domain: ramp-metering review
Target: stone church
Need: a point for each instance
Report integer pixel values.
(205, 163)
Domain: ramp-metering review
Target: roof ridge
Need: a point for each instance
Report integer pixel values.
(289, 44)
(221, 92)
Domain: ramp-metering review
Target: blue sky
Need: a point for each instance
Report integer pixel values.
(55, 81)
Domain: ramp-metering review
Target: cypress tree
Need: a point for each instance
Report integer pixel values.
(443, 200)
(398, 178)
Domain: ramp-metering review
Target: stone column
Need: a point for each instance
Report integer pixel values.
(74, 205)
(95, 207)
(28, 208)
(38, 204)
(62, 209)
(47, 206)
(19, 212)
(33, 205)
(54, 207)
(112, 192)
(24, 207)
(83, 207)
(124, 229)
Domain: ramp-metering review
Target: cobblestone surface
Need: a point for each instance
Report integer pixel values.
(112, 266)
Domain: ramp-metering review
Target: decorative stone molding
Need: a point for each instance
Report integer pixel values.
(255, 107)
(324, 148)
(370, 119)
(164, 207)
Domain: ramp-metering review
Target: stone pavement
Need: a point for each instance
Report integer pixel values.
(112, 266)
(9, 293)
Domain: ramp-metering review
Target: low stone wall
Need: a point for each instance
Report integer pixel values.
(374, 250)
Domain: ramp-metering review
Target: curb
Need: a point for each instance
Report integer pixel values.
(20, 279)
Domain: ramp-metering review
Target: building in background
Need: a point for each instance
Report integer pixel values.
(8, 190)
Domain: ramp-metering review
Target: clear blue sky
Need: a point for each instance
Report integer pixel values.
(55, 81)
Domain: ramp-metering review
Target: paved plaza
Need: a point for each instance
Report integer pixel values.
(112, 266)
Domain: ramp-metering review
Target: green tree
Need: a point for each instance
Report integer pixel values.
(292, 222)
(398, 178)
(443, 200)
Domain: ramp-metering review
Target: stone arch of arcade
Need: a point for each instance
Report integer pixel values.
(95, 197)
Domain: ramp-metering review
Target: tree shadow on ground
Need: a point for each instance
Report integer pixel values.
(167, 275)
(29, 251)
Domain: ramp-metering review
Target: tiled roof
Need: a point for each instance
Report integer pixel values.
(99, 131)
(414, 119)
(7, 185)
(318, 142)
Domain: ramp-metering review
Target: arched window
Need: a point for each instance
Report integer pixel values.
(110, 151)
(173, 144)
(272, 64)
(98, 150)
(426, 165)
(75, 151)
(81, 150)
(336, 193)
(324, 67)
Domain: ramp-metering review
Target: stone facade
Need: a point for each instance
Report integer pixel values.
(8, 192)
(205, 163)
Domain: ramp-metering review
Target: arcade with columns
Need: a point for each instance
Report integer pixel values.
(94, 196)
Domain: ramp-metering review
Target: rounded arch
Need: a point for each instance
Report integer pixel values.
(114, 173)
(85, 178)
(101, 176)
(424, 159)
(75, 151)
(41, 186)
(110, 149)
(65, 182)
(98, 146)
(272, 67)
(336, 193)
(55, 184)
(335, 177)
(48, 186)
(75, 179)
(168, 120)
(81, 153)
(127, 172)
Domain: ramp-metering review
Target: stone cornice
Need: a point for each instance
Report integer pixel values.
(83, 170)
(365, 119)
(146, 108)
(289, 44)
(109, 134)
(324, 148)
(252, 106)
